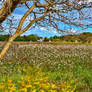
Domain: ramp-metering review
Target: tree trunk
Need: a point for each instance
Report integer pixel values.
(7, 45)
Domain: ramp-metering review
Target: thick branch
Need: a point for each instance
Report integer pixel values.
(8, 7)
(24, 17)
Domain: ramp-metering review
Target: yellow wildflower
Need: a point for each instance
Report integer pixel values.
(28, 86)
(9, 80)
(44, 86)
(42, 90)
(36, 82)
(34, 90)
(53, 86)
(24, 70)
(52, 91)
(12, 88)
(23, 89)
(2, 86)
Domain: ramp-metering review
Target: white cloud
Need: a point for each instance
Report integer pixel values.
(50, 29)
(72, 30)
(43, 29)
(17, 16)
(84, 2)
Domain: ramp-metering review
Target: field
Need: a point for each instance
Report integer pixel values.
(47, 67)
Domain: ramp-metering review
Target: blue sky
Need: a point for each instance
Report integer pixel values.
(42, 31)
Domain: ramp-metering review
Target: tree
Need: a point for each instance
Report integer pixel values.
(46, 39)
(46, 13)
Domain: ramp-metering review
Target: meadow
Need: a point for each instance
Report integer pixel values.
(47, 67)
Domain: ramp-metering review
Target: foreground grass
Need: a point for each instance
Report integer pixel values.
(59, 68)
(32, 79)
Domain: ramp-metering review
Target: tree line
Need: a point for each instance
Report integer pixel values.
(83, 37)
(33, 38)
(21, 38)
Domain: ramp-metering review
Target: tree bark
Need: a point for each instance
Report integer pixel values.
(8, 44)
(8, 7)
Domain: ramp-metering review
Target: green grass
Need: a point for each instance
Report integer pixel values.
(64, 63)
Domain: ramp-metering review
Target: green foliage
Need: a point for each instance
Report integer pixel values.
(28, 38)
(46, 39)
(21, 38)
(4, 37)
(55, 76)
(83, 38)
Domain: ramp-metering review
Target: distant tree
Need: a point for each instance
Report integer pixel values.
(89, 39)
(34, 38)
(51, 38)
(61, 37)
(46, 39)
(85, 33)
(20, 38)
(82, 37)
(24, 36)
(27, 38)
(55, 37)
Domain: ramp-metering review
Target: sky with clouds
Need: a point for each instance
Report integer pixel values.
(41, 31)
